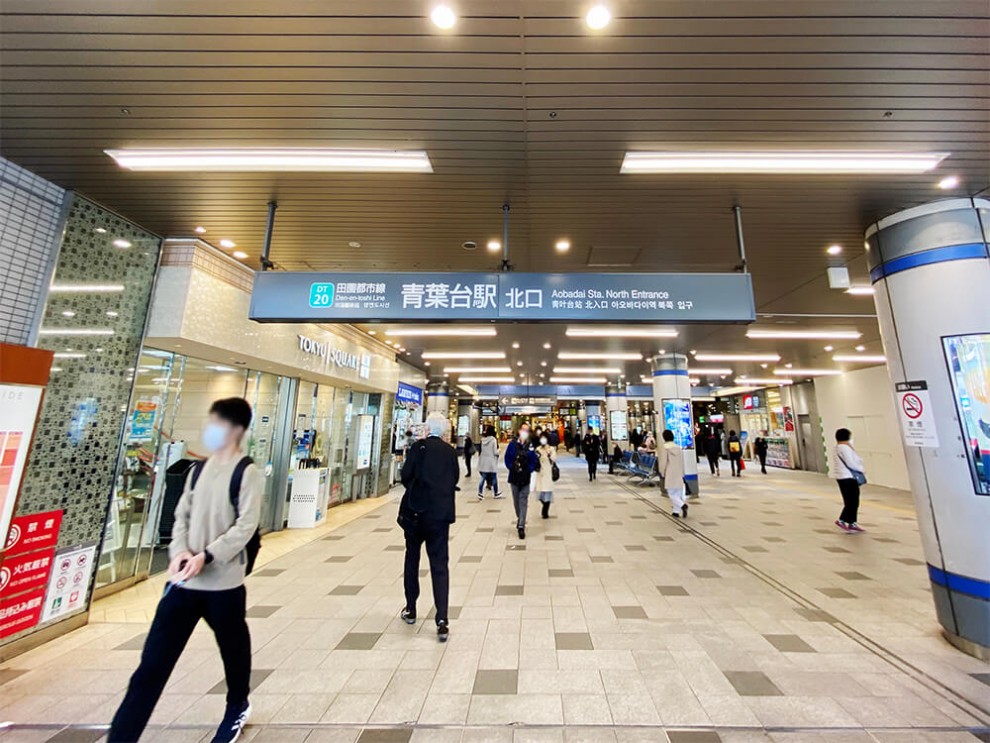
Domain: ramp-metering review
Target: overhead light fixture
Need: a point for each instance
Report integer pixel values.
(587, 370)
(949, 182)
(830, 348)
(709, 371)
(85, 288)
(515, 344)
(860, 290)
(806, 372)
(782, 161)
(494, 246)
(769, 382)
(562, 245)
(76, 331)
(477, 369)
(200, 230)
(833, 249)
(443, 16)
(598, 17)
(372, 332)
(860, 348)
(859, 359)
(546, 346)
(121, 243)
(621, 332)
(543, 363)
(69, 355)
(438, 332)
(578, 380)
(239, 255)
(227, 243)
(464, 354)
(519, 363)
(487, 380)
(771, 357)
(575, 356)
(259, 160)
(218, 368)
(353, 244)
(803, 334)
(727, 391)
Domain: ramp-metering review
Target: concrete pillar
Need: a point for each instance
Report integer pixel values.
(930, 268)
(438, 398)
(671, 384)
(615, 401)
(467, 408)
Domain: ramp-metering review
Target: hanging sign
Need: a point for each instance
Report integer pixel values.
(914, 406)
(283, 296)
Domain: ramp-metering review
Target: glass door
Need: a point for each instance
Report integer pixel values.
(264, 392)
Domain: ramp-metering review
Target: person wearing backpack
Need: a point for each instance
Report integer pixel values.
(215, 520)
(735, 454)
(850, 474)
(547, 474)
(522, 462)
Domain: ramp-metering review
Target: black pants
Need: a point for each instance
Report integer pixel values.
(763, 463)
(850, 500)
(177, 615)
(592, 469)
(713, 462)
(435, 536)
(736, 463)
(467, 461)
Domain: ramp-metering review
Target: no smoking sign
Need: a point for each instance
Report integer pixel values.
(917, 421)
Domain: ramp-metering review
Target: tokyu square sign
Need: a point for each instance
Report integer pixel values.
(472, 297)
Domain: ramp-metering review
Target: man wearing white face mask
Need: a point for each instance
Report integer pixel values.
(213, 545)
(522, 462)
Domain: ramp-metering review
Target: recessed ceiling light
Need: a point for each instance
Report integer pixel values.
(764, 366)
(100, 230)
(578, 380)
(372, 332)
(860, 290)
(860, 348)
(240, 255)
(949, 182)
(574, 356)
(200, 230)
(225, 243)
(121, 243)
(478, 369)
(546, 346)
(829, 348)
(598, 17)
(515, 344)
(261, 160)
(440, 332)
(772, 357)
(494, 246)
(426, 363)
(788, 366)
(388, 343)
(464, 354)
(354, 244)
(543, 363)
(833, 249)
(771, 161)
(563, 245)
(519, 363)
(621, 332)
(803, 334)
(859, 359)
(443, 17)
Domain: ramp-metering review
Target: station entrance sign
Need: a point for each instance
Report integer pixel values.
(281, 296)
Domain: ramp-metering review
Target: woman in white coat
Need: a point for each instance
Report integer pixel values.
(488, 463)
(544, 476)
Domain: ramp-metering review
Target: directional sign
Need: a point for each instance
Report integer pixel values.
(917, 420)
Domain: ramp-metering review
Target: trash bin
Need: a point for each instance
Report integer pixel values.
(175, 482)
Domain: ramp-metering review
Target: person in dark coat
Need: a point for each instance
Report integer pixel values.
(468, 452)
(592, 446)
(713, 450)
(761, 447)
(735, 454)
(430, 475)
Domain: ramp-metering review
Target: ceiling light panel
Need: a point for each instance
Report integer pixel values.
(487, 380)
(708, 370)
(859, 358)
(464, 355)
(757, 381)
(578, 380)
(861, 290)
(439, 332)
(588, 370)
(770, 161)
(709, 356)
(806, 372)
(593, 332)
(477, 370)
(803, 334)
(273, 160)
(576, 356)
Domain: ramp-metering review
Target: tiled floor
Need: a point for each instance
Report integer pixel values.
(752, 621)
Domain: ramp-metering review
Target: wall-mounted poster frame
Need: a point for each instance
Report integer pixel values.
(968, 360)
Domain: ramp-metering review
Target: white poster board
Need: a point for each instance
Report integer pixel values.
(619, 425)
(18, 411)
(366, 437)
(68, 582)
(914, 408)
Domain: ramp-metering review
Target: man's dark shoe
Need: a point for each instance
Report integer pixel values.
(443, 630)
(522, 533)
(234, 720)
(408, 616)
(684, 510)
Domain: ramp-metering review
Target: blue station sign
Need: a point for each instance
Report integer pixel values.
(281, 296)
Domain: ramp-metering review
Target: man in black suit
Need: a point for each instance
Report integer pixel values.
(426, 512)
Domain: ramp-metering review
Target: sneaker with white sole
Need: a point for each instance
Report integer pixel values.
(234, 720)
(842, 525)
(856, 528)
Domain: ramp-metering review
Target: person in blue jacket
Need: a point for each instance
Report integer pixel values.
(521, 461)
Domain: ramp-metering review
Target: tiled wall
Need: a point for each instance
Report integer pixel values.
(30, 210)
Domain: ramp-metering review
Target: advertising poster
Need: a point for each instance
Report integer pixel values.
(677, 418)
(143, 420)
(18, 412)
(69, 581)
(33, 532)
(366, 435)
(968, 358)
(619, 424)
(21, 612)
(463, 424)
(25, 572)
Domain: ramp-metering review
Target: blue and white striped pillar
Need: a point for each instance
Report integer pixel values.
(438, 398)
(615, 400)
(930, 268)
(671, 382)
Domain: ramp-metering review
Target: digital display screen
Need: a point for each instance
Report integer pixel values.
(968, 358)
(677, 418)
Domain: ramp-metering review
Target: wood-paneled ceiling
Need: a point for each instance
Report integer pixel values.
(520, 103)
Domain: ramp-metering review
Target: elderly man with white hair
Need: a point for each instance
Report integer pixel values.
(426, 512)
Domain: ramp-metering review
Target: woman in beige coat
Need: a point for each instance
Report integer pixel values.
(544, 476)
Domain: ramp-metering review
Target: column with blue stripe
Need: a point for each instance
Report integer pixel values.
(672, 401)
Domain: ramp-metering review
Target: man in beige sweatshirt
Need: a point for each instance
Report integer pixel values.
(215, 519)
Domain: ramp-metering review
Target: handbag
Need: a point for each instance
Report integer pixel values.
(554, 471)
(859, 477)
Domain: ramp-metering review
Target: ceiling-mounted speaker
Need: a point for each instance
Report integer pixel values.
(838, 278)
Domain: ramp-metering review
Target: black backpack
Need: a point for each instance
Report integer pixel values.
(519, 472)
(253, 545)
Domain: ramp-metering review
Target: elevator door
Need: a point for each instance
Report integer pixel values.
(811, 450)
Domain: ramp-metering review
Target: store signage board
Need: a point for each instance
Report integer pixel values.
(18, 411)
(283, 296)
(33, 532)
(20, 612)
(25, 572)
(914, 408)
(407, 393)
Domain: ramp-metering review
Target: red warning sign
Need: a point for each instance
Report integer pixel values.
(913, 406)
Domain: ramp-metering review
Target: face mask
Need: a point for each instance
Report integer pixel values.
(543, 441)
(215, 437)
(523, 435)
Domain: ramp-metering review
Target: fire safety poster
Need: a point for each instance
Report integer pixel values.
(69, 581)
